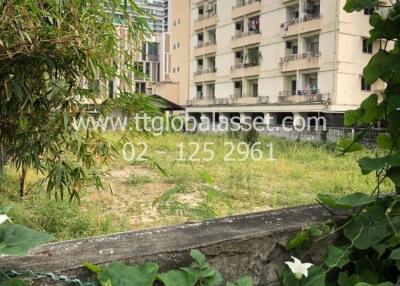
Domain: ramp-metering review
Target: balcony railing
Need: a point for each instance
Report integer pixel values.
(205, 71)
(292, 22)
(302, 97)
(205, 44)
(307, 55)
(244, 65)
(244, 3)
(232, 100)
(153, 58)
(206, 16)
(239, 35)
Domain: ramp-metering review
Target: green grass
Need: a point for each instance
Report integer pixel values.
(137, 195)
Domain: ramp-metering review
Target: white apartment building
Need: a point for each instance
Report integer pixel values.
(277, 57)
(159, 14)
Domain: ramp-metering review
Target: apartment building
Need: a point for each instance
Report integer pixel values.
(158, 14)
(277, 58)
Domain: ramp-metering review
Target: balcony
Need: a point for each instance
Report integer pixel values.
(246, 7)
(206, 21)
(246, 38)
(249, 99)
(205, 75)
(245, 70)
(309, 60)
(204, 49)
(303, 97)
(200, 102)
(303, 25)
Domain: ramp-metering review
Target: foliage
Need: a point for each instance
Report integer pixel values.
(369, 252)
(146, 274)
(52, 52)
(17, 239)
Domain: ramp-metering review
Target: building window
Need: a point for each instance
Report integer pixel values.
(364, 85)
(369, 11)
(367, 47)
(111, 89)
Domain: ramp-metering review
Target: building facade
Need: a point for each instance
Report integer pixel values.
(277, 57)
(159, 14)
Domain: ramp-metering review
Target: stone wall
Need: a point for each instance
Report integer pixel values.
(252, 244)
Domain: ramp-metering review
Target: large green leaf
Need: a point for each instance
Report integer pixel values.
(337, 257)
(316, 277)
(355, 200)
(369, 228)
(18, 240)
(358, 5)
(118, 274)
(373, 164)
(379, 67)
(178, 278)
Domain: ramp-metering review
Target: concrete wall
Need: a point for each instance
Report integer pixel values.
(252, 244)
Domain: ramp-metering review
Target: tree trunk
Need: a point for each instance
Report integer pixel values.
(22, 179)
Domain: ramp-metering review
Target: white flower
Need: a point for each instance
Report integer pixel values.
(4, 218)
(298, 269)
(384, 12)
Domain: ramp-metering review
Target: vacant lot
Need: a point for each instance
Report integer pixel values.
(164, 190)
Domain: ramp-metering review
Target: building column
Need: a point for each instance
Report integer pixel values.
(245, 118)
(299, 120)
(223, 121)
(270, 119)
(204, 117)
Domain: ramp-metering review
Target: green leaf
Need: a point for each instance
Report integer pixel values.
(358, 5)
(368, 165)
(118, 274)
(298, 240)
(198, 257)
(337, 257)
(14, 282)
(348, 280)
(93, 268)
(394, 175)
(369, 228)
(288, 278)
(395, 255)
(378, 67)
(327, 199)
(18, 240)
(351, 117)
(4, 209)
(244, 281)
(178, 278)
(316, 277)
(355, 200)
(348, 145)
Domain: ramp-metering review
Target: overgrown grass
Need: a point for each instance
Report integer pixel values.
(138, 195)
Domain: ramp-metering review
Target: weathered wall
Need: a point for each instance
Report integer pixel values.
(251, 244)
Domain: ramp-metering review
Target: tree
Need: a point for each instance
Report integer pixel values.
(50, 51)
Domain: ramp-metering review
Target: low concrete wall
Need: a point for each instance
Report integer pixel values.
(252, 244)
